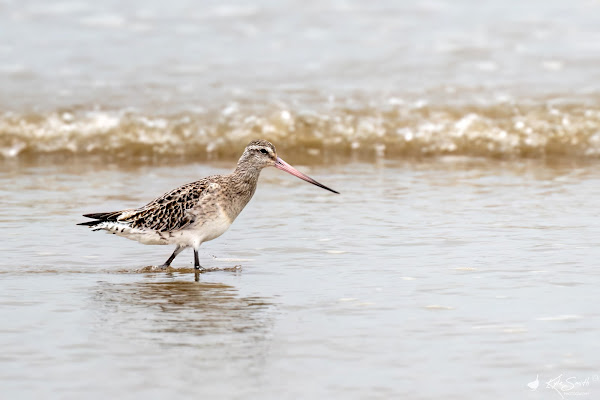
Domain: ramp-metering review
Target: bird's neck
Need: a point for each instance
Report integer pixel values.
(243, 180)
(246, 174)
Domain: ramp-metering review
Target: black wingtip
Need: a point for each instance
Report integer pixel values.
(97, 215)
(89, 223)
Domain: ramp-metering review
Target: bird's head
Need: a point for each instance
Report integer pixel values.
(261, 153)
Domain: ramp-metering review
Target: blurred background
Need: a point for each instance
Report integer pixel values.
(369, 79)
(459, 262)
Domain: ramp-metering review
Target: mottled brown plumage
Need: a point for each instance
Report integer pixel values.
(165, 213)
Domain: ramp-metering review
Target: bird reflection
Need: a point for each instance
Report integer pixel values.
(178, 311)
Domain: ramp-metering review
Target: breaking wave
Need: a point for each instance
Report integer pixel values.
(396, 130)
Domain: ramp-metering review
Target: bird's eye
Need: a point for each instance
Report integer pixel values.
(264, 151)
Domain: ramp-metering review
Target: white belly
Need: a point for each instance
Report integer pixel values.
(191, 236)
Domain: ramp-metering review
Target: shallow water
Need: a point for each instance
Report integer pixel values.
(451, 278)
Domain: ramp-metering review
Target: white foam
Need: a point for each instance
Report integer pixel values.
(438, 307)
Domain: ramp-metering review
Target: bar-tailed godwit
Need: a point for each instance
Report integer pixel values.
(199, 211)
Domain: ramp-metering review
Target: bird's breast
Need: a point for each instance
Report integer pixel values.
(212, 226)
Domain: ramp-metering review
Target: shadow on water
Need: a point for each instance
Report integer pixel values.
(178, 312)
(170, 271)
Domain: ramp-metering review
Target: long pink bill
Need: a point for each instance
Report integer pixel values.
(282, 165)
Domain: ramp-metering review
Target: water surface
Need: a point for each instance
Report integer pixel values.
(446, 279)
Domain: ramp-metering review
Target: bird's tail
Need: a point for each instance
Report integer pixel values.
(99, 218)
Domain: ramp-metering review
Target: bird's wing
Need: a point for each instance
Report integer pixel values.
(171, 211)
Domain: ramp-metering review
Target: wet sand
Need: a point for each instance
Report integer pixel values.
(438, 279)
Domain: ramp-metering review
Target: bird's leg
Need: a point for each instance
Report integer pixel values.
(197, 262)
(167, 263)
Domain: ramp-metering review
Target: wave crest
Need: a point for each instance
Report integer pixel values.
(498, 131)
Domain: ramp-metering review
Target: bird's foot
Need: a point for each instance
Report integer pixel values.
(164, 266)
(200, 269)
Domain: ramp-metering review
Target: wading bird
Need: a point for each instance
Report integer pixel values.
(199, 211)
